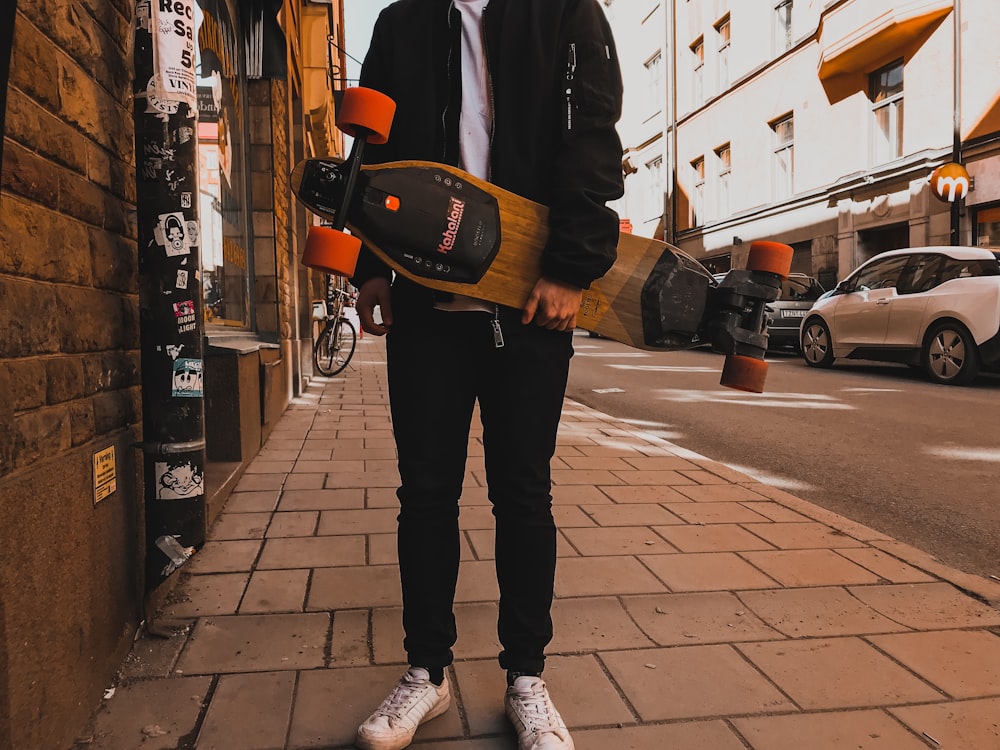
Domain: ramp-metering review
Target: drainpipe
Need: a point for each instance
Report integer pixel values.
(670, 230)
(170, 293)
(956, 149)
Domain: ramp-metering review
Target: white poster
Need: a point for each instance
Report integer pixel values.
(173, 30)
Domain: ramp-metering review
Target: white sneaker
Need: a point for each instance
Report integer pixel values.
(536, 721)
(414, 700)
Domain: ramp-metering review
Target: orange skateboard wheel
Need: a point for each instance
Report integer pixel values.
(368, 109)
(771, 257)
(331, 251)
(744, 373)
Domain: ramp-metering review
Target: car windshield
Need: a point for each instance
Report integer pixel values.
(797, 289)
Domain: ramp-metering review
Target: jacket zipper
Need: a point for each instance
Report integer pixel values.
(497, 333)
(570, 76)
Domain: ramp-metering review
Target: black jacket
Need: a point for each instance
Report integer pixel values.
(556, 89)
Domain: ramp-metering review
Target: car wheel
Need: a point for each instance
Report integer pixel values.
(817, 344)
(950, 355)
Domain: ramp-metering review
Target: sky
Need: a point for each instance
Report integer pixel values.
(359, 17)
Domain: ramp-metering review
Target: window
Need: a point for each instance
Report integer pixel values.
(887, 113)
(654, 82)
(725, 168)
(882, 274)
(698, 198)
(783, 26)
(697, 73)
(722, 29)
(784, 157)
(922, 274)
(654, 187)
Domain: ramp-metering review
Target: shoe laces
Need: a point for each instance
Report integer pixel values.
(536, 708)
(404, 695)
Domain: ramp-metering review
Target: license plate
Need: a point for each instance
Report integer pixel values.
(793, 313)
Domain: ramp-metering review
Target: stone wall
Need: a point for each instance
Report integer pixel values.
(69, 368)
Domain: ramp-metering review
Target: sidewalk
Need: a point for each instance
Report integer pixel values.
(695, 607)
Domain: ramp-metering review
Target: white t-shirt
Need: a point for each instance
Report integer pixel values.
(476, 118)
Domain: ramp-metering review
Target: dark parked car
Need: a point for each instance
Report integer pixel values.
(798, 293)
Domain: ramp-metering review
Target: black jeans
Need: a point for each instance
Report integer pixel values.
(440, 363)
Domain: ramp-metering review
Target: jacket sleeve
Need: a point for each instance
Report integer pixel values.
(374, 74)
(583, 229)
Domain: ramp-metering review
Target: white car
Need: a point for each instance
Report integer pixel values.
(937, 308)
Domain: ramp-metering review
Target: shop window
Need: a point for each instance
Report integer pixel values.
(223, 186)
(987, 227)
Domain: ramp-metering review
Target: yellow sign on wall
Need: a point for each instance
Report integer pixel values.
(105, 474)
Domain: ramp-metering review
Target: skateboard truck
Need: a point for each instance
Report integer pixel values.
(366, 115)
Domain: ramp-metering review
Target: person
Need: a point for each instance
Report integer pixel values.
(525, 94)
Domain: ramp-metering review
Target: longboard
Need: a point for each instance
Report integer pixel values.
(449, 230)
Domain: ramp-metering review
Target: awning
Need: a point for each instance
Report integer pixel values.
(880, 40)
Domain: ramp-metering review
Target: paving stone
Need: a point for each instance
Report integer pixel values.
(962, 663)
(331, 703)
(249, 711)
(692, 682)
(928, 606)
(597, 576)
(659, 463)
(475, 517)
(571, 516)
(710, 735)
(167, 710)
(810, 567)
(350, 639)
(361, 479)
(815, 612)
(809, 535)
(578, 494)
(721, 512)
(837, 730)
(477, 582)
(354, 587)
(255, 643)
(715, 493)
(275, 591)
(263, 501)
(617, 540)
(225, 556)
(631, 515)
(855, 675)
(214, 594)
(638, 478)
(321, 499)
(584, 476)
(774, 511)
(482, 543)
(607, 463)
(593, 624)
(293, 523)
(643, 494)
(968, 724)
(243, 526)
(707, 571)
(365, 521)
(312, 552)
(300, 481)
(691, 619)
(722, 537)
(885, 565)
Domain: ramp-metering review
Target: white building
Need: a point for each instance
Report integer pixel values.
(812, 122)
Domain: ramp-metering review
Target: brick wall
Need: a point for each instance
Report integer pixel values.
(69, 366)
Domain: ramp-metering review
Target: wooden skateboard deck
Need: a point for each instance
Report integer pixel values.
(449, 230)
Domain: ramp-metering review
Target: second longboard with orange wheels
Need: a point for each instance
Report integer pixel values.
(448, 230)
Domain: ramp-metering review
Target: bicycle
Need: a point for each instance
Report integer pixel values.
(336, 342)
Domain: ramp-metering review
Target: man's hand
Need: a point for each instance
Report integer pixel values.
(553, 305)
(375, 293)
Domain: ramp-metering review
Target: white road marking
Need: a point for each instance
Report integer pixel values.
(609, 390)
(991, 455)
(774, 480)
(769, 400)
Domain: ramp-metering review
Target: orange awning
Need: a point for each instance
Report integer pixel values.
(881, 40)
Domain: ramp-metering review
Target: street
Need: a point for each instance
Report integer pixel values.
(875, 443)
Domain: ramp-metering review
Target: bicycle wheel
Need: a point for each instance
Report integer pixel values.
(335, 346)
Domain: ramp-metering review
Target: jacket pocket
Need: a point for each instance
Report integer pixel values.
(593, 85)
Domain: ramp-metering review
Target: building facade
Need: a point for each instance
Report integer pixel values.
(817, 124)
(78, 339)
